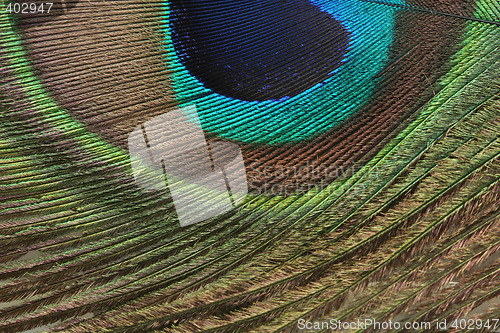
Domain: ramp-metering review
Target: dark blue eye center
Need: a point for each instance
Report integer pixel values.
(256, 50)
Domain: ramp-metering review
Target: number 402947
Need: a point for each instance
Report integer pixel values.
(29, 8)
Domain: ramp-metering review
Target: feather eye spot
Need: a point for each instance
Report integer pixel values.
(256, 51)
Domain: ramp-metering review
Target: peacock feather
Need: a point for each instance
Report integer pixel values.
(369, 132)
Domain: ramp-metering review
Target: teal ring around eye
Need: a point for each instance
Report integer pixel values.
(315, 110)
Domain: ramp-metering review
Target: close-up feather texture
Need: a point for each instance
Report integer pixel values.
(369, 134)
